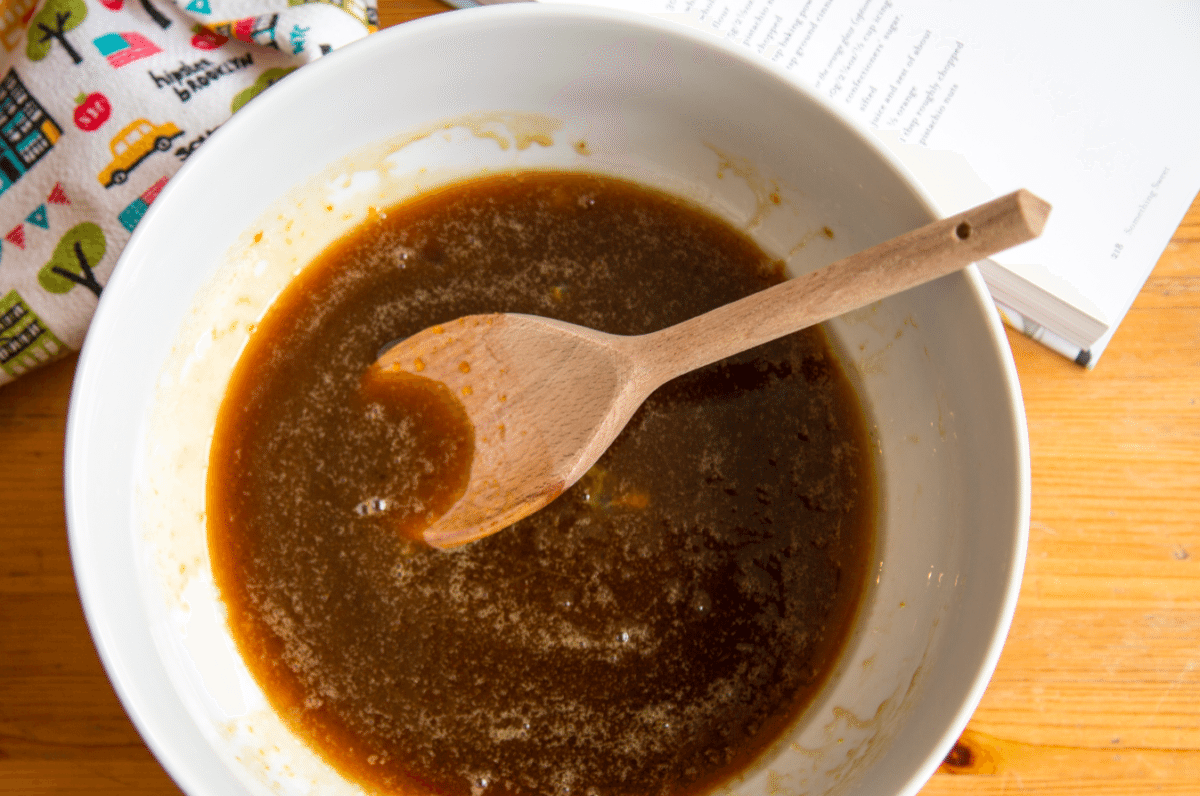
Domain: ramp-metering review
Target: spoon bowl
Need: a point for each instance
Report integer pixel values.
(547, 398)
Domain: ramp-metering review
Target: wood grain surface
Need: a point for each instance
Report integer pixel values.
(1098, 689)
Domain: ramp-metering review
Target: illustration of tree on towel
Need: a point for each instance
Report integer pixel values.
(51, 24)
(71, 264)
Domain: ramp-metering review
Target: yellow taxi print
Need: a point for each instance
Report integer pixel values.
(132, 145)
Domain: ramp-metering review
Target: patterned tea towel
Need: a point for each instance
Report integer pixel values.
(101, 101)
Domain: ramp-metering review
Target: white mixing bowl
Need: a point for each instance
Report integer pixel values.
(536, 86)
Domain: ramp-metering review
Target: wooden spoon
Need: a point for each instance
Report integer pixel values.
(546, 398)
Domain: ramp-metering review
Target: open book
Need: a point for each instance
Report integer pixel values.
(1092, 106)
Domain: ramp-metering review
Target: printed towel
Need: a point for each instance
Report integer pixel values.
(101, 101)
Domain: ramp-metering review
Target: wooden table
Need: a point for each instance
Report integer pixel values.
(1098, 689)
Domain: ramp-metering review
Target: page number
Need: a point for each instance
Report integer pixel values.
(1116, 250)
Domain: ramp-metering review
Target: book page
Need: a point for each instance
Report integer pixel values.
(1076, 101)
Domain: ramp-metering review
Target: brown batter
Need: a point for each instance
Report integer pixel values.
(649, 632)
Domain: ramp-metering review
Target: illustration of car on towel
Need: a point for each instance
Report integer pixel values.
(132, 145)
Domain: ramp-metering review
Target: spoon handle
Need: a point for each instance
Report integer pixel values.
(909, 260)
